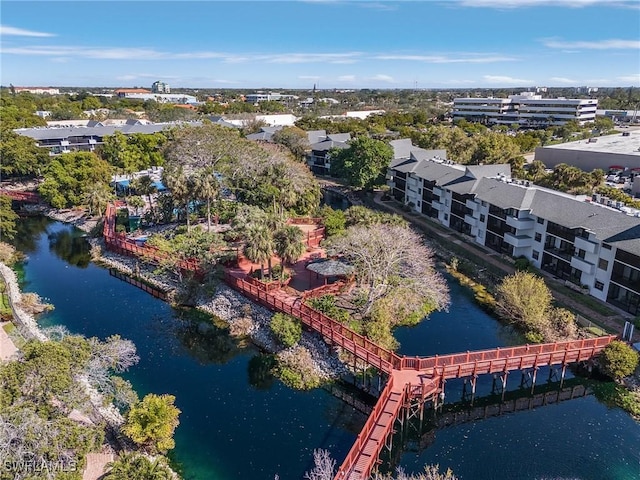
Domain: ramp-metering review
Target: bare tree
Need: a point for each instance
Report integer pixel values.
(389, 257)
(323, 466)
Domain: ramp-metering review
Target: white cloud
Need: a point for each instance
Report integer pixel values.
(566, 81)
(465, 58)
(382, 78)
(20, 32)
(349, 57)
(633, 78)
(611, 44)
(382, 6)
(308, 77)
(347, 78)
(546, 3)
(503, 79)
(136, 53)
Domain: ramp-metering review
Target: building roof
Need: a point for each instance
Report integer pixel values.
(316, 136)
(627, 145)
(328, 145)
(502, 194)
(609, 225)
(132, 90)
(44, 133)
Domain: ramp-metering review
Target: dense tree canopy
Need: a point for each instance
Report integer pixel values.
(133, 152)
(364, 163)
(70, 176)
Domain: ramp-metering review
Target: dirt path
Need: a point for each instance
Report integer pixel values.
(613, 323)
(8, 350)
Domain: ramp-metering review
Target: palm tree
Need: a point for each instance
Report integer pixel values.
(259, 246)
(145, 185)
(97, 198)
(207, 187)
(181, 188)
(132, 466)
(288, 245)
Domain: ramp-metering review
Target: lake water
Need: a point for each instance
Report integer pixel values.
(238, 422)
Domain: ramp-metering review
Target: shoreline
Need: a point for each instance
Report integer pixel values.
(234, 309)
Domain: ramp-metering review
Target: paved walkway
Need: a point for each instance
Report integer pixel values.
(95, 465)
(613, 323)
(8, 350)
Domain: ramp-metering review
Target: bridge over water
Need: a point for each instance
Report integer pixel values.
(411, 379)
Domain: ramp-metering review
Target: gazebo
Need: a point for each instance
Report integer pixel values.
(328, 268)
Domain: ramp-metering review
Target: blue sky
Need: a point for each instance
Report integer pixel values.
(334, 44)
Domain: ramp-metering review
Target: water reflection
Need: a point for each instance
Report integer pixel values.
(205, 340)
(70, 246)
(28, 232)
(260, 371)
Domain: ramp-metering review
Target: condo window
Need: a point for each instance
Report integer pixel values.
(540, 220)
(482, 217)
(535, 254)
(603, 264)
(599, 285)
(538, 237)
(606, 246)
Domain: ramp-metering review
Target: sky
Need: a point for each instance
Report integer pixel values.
(327, 43)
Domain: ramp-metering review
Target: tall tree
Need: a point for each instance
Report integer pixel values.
(387, 257)
(207, 188)
(289, 245)
(364, 163)
(7, 219)
(144, 185)
(259, 246)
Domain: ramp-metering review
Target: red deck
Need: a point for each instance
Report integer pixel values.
(29, 197)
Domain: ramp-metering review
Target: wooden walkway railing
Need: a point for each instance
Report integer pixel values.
(504, 359)
(334, 331)
(30, 197)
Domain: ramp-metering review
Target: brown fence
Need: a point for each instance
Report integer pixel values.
(334, 331)
(156, 292)
(512, 358)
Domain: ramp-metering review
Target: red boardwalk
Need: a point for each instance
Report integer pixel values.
(29, 197)
(408, 376)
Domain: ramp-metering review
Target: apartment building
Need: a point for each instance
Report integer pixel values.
(525, 109)
(592, 247)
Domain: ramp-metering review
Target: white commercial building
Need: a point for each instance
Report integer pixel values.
(526, 109)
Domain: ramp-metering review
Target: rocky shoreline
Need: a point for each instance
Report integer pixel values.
(233, 308)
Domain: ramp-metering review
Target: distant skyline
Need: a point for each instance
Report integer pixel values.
(329, 43)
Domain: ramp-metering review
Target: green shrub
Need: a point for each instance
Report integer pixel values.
(327, 305)
(296, 369)
(618, 360)
(522, 263)
(286, 329)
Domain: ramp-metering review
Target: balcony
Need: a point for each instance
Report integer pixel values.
(564, 254)
(437, 191)
(473, 206)
(518, 240)
(438, 206)
(583, 265)
(586, 245)
(471, 220)
(520, 223)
